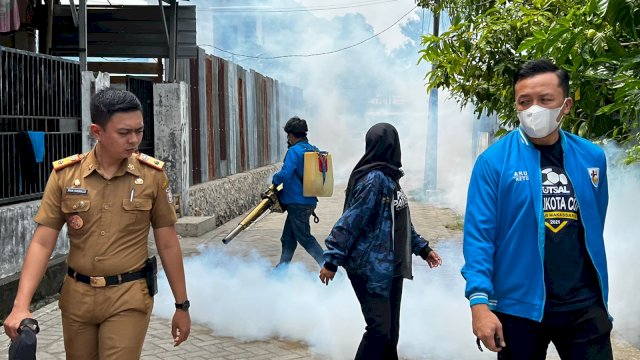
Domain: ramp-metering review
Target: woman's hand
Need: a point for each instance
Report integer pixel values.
(433, 259)
(326, 275)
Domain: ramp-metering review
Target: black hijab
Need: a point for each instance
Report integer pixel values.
(382, 152)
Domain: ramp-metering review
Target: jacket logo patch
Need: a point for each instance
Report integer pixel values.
(401, 200)
(594, 174)
(520, 176)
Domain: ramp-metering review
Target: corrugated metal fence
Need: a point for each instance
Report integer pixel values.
(39, 100)
(237, 117)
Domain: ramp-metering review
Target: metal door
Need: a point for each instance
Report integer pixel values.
(143, 89)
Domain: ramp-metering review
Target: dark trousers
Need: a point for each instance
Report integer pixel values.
(382, 315)
(297, 230)
(577, 335)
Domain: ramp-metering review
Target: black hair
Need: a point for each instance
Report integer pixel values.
(299, 135)
(297, 127)
(107, 102)
(541, 66)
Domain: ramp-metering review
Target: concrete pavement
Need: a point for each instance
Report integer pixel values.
(434, 223)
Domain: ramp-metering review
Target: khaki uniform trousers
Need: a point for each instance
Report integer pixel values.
(107, 323)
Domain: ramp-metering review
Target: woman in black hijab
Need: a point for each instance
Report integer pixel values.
(374, 239)
(382, 153)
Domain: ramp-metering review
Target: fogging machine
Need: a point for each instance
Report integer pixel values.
(270, 203)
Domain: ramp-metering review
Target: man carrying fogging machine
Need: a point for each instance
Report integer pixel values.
(306, 173)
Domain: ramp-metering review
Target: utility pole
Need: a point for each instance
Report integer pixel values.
(173, 39)
(430, 185)
(82, 34)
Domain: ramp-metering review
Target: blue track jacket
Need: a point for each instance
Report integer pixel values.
(291, 175)
(504, 227)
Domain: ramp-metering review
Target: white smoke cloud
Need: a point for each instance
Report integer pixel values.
(344, 92)
(245, 299)
(621, 240)
(242, 297)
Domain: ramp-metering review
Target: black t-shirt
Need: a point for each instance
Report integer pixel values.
(570, 278)
(401, 235)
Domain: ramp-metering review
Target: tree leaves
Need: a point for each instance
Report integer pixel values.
(596, 41)
(625, 15)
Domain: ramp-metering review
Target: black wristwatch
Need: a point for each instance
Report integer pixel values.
(184, 306)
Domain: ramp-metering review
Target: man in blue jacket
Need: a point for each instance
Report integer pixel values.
(535, 263)
(299, 207)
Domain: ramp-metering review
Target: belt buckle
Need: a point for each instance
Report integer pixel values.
(98, 281)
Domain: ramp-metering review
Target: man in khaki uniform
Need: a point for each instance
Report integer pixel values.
(107, 198)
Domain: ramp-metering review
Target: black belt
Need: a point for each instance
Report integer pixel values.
(102, 281)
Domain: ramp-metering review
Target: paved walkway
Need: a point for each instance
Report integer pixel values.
(436, 224)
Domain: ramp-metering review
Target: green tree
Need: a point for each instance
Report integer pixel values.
(598, 43)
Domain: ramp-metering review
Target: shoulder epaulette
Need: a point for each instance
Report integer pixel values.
(148, 160)
(63, 163)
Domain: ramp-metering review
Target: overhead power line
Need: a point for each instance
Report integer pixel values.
(297, 9)
(312, 54)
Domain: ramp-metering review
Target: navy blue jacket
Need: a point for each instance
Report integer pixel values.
(362, 239)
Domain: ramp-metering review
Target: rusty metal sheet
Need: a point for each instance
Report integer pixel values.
(210, 120)
(125, 31)
(194, 87)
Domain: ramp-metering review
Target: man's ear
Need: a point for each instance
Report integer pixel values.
(567, 106)
(95, 130)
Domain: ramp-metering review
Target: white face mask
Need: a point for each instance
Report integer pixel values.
(538, 122)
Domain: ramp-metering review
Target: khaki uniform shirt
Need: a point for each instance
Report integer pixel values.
(107, 220)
